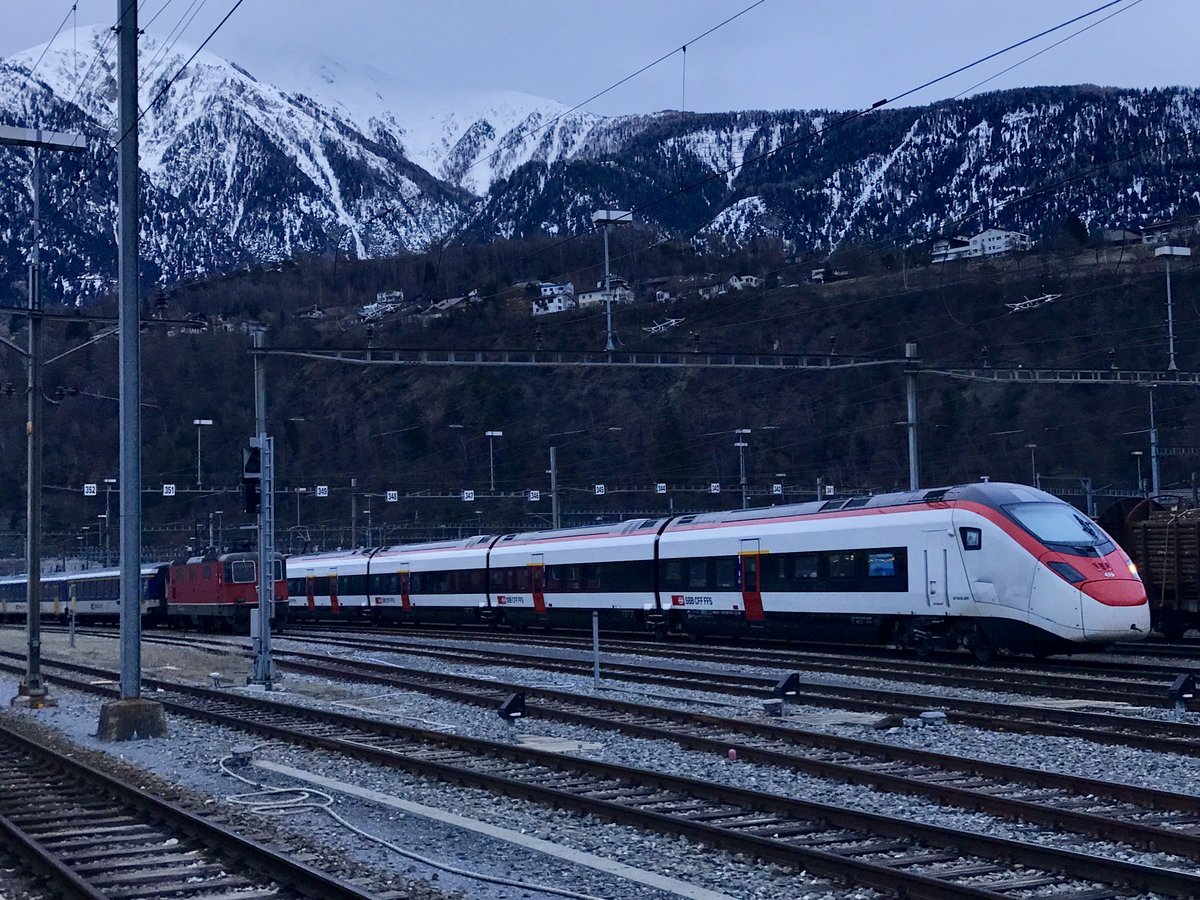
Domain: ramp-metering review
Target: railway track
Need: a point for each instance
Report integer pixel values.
(1141, 684)
(1020, 717)
(1146, 818)
(91, 835)
(1016, 717)
(895, 855)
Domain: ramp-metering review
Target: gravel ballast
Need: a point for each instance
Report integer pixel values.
(666, 855)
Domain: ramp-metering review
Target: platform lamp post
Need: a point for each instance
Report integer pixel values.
(1032, 448)
(1169, 252)
(32, 689)
(742, 443)
(491, 436)
(200, 424)
(1141, 484)
(604, 219)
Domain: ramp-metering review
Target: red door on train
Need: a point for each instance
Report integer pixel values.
(752, 602)
(537, 571)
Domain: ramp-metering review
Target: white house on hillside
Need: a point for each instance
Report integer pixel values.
(544, 306)
(620, 293)
(549, 289)
(992, 242)
(743, 282)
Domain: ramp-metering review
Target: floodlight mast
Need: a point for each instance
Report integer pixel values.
(604, 219)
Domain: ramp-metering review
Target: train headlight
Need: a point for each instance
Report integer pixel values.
(1066, 571)
(1132, 566)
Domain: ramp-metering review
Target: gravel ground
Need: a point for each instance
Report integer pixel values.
(697, 865)
(190, 755)
(612, 747)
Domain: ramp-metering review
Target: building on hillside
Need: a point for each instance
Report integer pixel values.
(1121, 237)
(826, 274)
(1174, 230)
(556, 303)
(743, 282)
(621, 293)
(550, 289)
(662, 296)
(313, 312)
(992, 242)
(710, 291)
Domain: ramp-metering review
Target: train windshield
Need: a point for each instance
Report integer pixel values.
(1061, 527)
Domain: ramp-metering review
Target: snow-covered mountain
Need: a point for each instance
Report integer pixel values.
(237, 170)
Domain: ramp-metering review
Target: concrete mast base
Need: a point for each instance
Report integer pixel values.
(125, 720)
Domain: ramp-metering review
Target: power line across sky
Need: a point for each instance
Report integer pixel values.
(779, 55)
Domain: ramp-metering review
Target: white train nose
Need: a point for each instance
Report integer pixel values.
(1115, 609)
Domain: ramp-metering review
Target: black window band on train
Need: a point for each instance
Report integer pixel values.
(449, 581)
(883, 569)
(624, 577)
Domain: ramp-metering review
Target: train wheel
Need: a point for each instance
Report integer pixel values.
(981, 649)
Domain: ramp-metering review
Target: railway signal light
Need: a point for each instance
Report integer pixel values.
(251, 480)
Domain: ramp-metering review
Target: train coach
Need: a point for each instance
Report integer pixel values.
(92, 594)
(988, 567)
(212, 592)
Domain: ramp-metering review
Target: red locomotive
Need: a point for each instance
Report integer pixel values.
(218, 592)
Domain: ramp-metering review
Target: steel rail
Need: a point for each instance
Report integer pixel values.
(849, 759)
(1060, 682)
(271, 873)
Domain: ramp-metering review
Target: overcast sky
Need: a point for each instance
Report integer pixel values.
(781, 54)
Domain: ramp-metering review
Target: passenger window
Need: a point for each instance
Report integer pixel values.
(972, 538)
(841, 565)
(697, 574)
(881, 565)
(805, 567)
(727, 573)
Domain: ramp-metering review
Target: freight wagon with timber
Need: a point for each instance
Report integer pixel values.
(987, 567)
(213, 592)
(1165, 545)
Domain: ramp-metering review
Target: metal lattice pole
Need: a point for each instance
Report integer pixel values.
(266, 521)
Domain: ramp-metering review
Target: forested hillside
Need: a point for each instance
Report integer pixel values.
(399, 428)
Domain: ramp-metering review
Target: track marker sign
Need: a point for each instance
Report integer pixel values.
(89, 490)
(600, 490)
(468, 496)
(168, 490)
(714, 487)
(660, 488)
(393, 496)
(322, 490)
(535, 496)
(777, 490)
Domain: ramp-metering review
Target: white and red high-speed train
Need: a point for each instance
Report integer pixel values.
(984, 566)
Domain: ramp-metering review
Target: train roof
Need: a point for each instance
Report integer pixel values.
(988, 493)
(146, 569)
(373, 553)
(479, 540)
(222, 557)
(609, 529)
